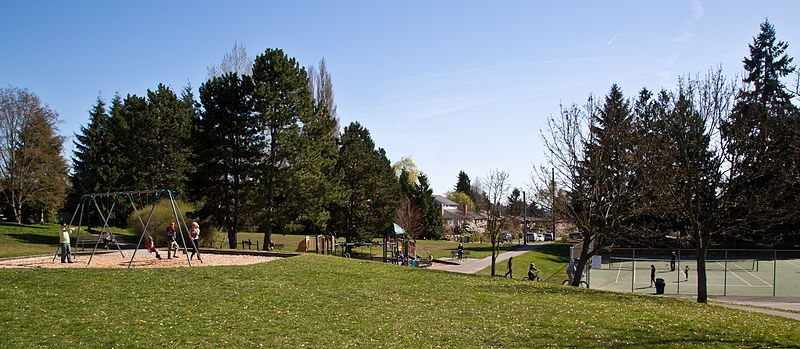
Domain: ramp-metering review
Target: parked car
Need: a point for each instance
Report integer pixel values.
(548, 236)
(533, 237)
(576, 236)
(504, 237)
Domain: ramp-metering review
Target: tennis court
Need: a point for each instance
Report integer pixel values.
(729, 272)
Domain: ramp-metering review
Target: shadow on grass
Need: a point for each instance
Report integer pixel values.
(26, 226)
(35, 238)
(488, 248)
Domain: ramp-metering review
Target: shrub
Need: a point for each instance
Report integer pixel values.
(162, 217)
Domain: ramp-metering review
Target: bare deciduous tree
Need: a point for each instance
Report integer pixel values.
(29, 152)
(236, 61)
(409, 217)
(496, 187)
(321, 87)
(589, 148)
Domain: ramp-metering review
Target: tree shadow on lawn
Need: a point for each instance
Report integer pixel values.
(25, 226)
(34, 238)
(500, 248)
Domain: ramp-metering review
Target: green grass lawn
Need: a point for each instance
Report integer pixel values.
(551, 259)
(23, 239)
(31, 239)
(325, 301)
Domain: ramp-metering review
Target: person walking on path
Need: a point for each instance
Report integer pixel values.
(171, 241)
(652, 275)
(672, 261)
(509, 268)
(686, 272)
(63, 240)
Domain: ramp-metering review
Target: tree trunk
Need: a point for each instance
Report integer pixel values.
(232, 239)
(702, 287)
(270, 191)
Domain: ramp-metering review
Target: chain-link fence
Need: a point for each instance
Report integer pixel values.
(730, 272)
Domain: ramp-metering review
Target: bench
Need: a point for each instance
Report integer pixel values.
(424, 262)
(464, 254)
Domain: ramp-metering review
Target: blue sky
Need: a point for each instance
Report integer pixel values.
(455, 85)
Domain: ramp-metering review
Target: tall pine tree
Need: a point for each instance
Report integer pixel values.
(227, 145)
(761, 137)
(373, 189)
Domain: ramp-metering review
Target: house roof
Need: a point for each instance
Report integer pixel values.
(444, 201)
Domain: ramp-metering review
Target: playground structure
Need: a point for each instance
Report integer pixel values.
(395, 246)
(114, 197)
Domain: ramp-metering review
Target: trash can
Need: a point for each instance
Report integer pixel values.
(414, 263)
(660, 286)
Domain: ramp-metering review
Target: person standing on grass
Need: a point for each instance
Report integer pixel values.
(672, 261)
(509, 268)
(652, 275)
(194, 234)
(63, 240)
(171, 241)
(686, 272)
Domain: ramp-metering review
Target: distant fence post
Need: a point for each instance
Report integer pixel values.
(679, 271)
(774, 270)
(725, 282)
(633, 268)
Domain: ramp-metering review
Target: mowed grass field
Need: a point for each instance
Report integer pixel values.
(551, 260)
(326, 301)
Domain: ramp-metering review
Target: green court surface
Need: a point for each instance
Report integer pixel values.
(746, 277)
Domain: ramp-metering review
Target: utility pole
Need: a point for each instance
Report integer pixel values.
(524, 219)
(553, 203)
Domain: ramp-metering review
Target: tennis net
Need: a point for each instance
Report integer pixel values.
(627, 263)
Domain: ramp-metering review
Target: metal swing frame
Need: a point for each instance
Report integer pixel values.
(92, 198)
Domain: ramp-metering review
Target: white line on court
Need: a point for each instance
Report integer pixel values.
(734, 274)
(755, 276)
(793, 263)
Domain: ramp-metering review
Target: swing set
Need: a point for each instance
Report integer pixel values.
(92, 200)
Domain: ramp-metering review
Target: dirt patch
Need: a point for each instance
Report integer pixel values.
(143, 259)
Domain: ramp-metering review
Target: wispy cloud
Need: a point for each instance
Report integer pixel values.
(697, 9)
(612, 39)
(683, 37)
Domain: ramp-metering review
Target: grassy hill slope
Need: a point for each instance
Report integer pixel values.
(324, 301)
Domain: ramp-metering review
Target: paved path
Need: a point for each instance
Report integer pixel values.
(472, 266)
(751, 303)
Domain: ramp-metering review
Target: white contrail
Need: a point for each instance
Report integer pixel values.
(612, 39)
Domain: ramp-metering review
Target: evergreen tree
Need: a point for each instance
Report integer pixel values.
(228, 147)
(602, 194)
(281, 102)
(514, 203)
(463, 185)
(431, 214)
(373, 189)
(314, 183)
(761, 138)
(91, 148)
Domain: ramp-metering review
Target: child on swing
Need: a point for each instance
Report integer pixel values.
(148, 243)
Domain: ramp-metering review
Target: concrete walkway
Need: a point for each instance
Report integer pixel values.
(472, 266)
(757, 304)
